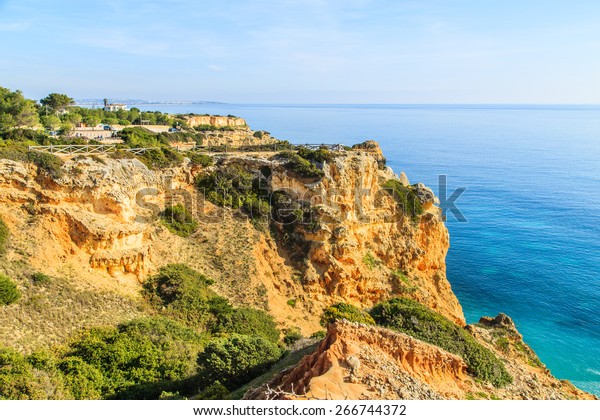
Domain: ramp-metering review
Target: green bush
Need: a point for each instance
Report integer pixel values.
(416, 320)
(40, 278)
(322, 154)
(26, 136)
(137, 360)
(185, 296)
(249, 321)
(19, 380)
(291, 335)
(179, 221)
(4, 235)
(14, 152)
(236, 360)
(345, 311)
(319, 335)
(200, 159)
(406, 198)
(161, 158)
(300, 166)
(9, 293)
(235, 187)
(83, 380)
(47, 162)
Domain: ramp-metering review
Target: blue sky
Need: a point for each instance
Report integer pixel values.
(305, 51)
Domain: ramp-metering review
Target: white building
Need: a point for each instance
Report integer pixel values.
(114, 107)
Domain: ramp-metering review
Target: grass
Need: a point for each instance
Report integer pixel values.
(401, 283)
(416, 320)
(370, 261)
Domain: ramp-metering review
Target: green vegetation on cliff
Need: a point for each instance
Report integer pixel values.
(4, 235)
(416, 320)
(178, 220)
(406, 198)
(235, 187)
(9, 293)
(346, 311)
(200, 342)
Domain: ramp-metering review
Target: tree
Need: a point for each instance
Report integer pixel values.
(16, 110)
(57, 102)
(50, 122)
(91, 121)
(73, 118)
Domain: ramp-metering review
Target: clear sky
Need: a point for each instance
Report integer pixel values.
(305, 51)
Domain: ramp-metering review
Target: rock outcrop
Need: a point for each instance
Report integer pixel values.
(360, 362)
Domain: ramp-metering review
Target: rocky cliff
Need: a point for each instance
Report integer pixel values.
(352, 242)
(358, 362)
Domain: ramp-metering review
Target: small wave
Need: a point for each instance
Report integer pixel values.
(593, 371)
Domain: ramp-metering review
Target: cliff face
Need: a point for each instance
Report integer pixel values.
(98, 226)
(98, 220)
(363, 248)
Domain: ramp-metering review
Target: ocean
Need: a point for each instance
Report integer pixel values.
(530, 246)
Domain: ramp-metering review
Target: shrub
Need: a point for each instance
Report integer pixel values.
(345, 311)
(235, 187)
(83, 380)
(249, 321)
(164, 157)
(179, 221)
(322, 154)
(8, 291)
(47, 162)
(414, 319)
(319, 335)
(138, 359)
(26, 136)
(19, 380)
(291, 335)
(14, 152)
(4, 235)
(301, 166)
(185, 295)
(236, 360)
(201, 159)
(40, 278)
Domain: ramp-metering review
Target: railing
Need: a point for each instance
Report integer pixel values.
(273, 147)
(71, 149)
(75, 149)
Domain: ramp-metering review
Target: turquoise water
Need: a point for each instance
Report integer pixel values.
(531, 246)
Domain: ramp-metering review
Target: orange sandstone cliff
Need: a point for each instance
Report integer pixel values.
(96, 226)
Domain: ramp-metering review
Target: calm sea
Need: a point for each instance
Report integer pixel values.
(531, 243)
